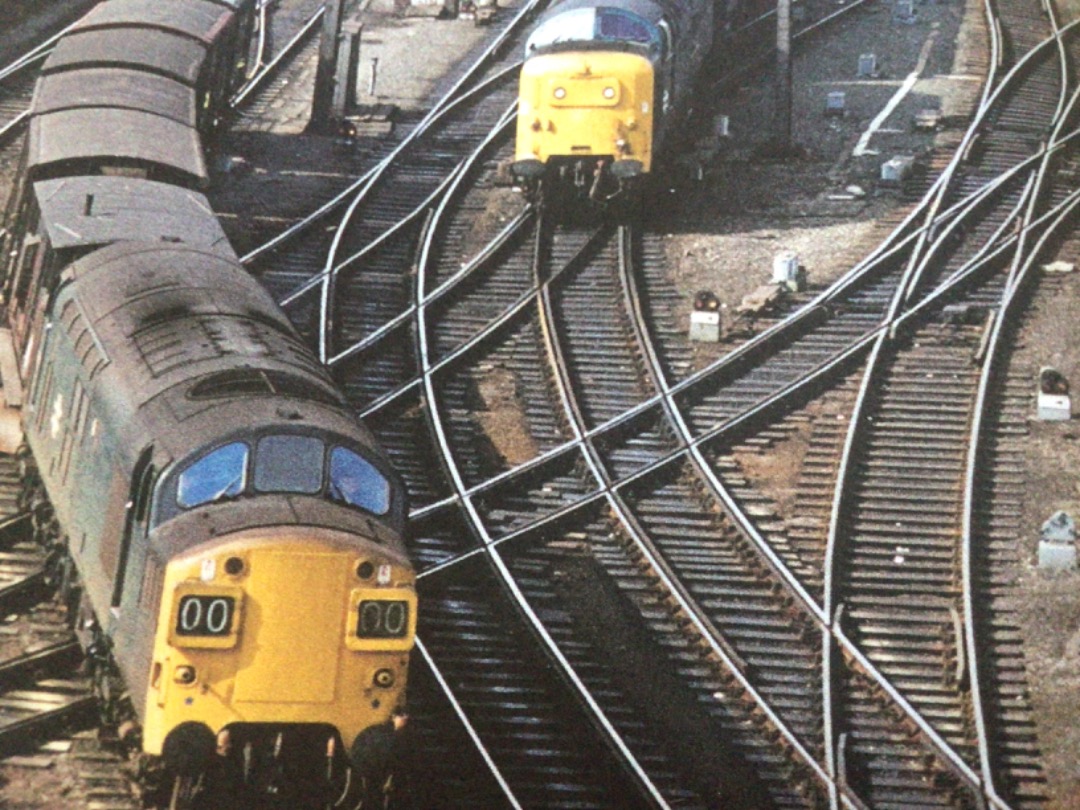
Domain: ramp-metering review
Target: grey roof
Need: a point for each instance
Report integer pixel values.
(163, 52)
(236, 4)
(195, 18)
(88, 211)
(115, 87)
(646, 9)
(88, 134)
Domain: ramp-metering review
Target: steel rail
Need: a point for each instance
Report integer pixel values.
(813, 375)
(812, 309)
(607, 488)
(832, 628)
(716, 641)
(329, 274)
(328, 278)
(632, 303)
(774, 332)
(714, 434)
(815, 308)
(920, 259)
(442, 195)
(14, 124)
(27, 590)
(677, 456)
(1060, 116)
(260, 46)
(476, 524)
(363, 185)
(575, 420)
(1025, 229)
(256, 81)
(24, 667)
(512, 229)
(33, 55)
(19, 733)
(973, 475)
(718, 432)
(450, 99)
(841, 492)
(903, 293)
(809, 29)
(605, 493)
(320, 278)
(466, 723)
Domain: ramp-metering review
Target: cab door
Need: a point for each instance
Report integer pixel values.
(136, 521)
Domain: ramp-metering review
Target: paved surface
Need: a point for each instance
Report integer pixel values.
(402, 60)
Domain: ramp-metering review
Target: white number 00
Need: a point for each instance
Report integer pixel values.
(217, 615)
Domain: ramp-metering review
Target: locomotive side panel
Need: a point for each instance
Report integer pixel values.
(86, 488)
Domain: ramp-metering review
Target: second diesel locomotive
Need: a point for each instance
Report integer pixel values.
(603, 88)
(229, 536)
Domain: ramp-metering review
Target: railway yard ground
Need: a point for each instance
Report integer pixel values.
(826, 202)
(829, 205)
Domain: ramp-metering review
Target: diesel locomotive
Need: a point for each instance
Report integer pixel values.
(228, 536)
(602, 90)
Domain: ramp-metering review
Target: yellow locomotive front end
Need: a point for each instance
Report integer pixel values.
(585, 117)
(274, 631)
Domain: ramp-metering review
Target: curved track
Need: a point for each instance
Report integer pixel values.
(633, 479)
(616, 613)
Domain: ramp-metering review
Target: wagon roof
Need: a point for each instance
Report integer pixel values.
(89, 133)
(194, 18)
(87, 211)
(116, 87)
(155, 51)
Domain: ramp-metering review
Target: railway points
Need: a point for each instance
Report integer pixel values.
(527, 472)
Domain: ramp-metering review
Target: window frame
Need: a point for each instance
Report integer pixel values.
(244, 480)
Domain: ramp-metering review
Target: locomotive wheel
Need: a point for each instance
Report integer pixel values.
(185, 788)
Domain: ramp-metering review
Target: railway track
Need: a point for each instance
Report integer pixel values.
(582, 491)
(601, 421)
(47, 708)
(339, 362)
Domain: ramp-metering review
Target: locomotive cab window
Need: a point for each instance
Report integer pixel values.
(221, 473)
(571, 26)
(615, 25)
(289, 464)
(354, 481)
